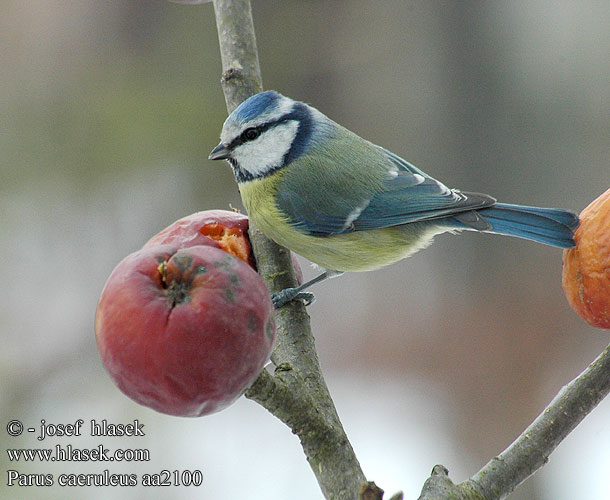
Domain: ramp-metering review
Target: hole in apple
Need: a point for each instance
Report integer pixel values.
(162, 269)
(231, 239)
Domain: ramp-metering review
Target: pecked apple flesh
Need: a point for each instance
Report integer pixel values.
(217, 228)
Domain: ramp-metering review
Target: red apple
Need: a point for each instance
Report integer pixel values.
(184, 331)
(217, 228)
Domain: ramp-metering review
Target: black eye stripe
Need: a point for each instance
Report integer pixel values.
(240, 139)
(250, 134)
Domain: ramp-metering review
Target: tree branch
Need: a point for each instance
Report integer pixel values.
(241, 73)
(297, 393)
(530, 451)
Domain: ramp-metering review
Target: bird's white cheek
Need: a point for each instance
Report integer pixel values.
(267, 152)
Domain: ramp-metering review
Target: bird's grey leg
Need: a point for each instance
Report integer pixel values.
(288, 294)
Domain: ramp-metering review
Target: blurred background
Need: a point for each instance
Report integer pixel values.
(108, 111)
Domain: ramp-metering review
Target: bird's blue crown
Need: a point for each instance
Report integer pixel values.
(256, 106)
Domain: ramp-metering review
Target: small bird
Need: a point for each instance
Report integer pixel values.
(347, 204)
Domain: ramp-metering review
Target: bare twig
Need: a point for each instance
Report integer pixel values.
(297, 393)
(241, 73)
(530, 451)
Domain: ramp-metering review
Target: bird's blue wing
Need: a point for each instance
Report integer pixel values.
(342, 204)
(410, 196)
(320, 217)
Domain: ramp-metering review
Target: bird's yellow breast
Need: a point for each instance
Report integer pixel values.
(355, 251)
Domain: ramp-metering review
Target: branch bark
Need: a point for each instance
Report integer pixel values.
(530, 451)
(297, 393)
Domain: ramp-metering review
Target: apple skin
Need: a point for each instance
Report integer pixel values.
(189, 231)
(226, 230)
(184, 331)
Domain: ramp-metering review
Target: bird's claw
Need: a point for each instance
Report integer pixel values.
(307, 297)
(286, 295)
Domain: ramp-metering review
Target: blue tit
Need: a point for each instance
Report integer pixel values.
(346, 204)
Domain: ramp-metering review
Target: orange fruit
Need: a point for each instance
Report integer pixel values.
(586, 267)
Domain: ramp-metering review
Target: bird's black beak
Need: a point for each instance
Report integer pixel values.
(220, 152)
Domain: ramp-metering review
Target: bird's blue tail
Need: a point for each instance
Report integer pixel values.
(551, 226)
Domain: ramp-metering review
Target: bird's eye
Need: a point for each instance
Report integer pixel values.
(250, 134)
